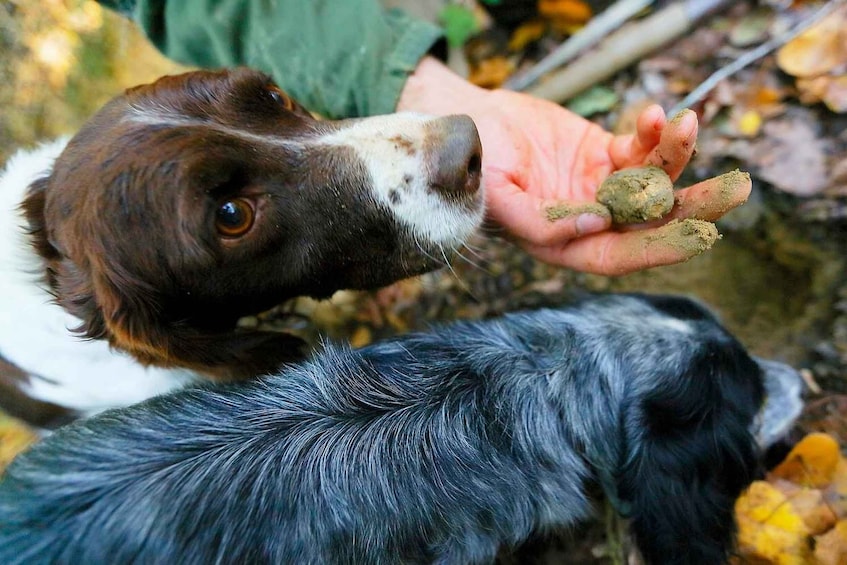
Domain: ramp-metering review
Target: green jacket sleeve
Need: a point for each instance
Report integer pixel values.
(340, 58)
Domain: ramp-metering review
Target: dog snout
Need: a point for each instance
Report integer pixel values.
(784, 388)
(456, 159)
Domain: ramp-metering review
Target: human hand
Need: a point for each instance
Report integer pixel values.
(542, 166)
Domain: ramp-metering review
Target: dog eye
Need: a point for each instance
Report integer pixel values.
(280, 97)
(234, 218)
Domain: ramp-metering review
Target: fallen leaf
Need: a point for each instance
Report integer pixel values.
(812, 462)
(458, 22)
(768, 527)
(750, 123)
(831, 547)
(836, 494)
(835, 96)
(573, 11)
(595, 99)
(810, 505)
(791, 156)
(14, 438)
(751, 29)
(818, 50)
(492, 72)
(525, 34)
(361, 336)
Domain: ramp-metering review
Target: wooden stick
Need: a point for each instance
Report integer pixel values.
(753, 55)
(596, 29)
(624, 47)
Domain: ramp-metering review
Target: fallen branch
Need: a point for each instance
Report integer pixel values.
(596, 29)
(753, 55)
(622, 48)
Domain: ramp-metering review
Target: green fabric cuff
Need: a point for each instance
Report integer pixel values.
(414, 39)
(337, 57)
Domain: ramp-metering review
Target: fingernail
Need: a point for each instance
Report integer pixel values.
(590, 223)
(679, 116)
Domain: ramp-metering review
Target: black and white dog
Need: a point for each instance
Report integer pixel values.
(437, 447)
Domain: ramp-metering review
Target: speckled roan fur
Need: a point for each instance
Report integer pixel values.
(438, 447)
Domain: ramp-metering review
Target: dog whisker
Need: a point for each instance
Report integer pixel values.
(475, 264)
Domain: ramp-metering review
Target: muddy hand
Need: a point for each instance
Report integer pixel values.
(542, 166)
(686, 232)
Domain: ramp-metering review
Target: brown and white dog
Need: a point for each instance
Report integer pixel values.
(188, 203)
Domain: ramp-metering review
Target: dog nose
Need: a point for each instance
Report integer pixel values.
(456, 160)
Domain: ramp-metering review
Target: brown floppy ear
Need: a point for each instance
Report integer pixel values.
(115, 306)
(135, 324)
(33, 210)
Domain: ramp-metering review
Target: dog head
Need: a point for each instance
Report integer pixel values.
(190, 202)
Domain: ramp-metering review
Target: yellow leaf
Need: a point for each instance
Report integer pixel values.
(361, 336)
(14, 438)
(525, 34)
(811, 463)
(750, 123)
(768, 527)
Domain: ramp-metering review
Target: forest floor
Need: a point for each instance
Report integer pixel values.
(777, 277)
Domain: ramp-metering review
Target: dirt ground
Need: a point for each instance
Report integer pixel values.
(776, 277)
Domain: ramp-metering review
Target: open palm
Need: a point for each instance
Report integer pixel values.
(538, 156)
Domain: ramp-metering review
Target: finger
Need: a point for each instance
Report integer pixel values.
(616, 253)
(676, 144)
(648, 128)
(712, 198)
(708, 200)
(632, 150)
(541, 221)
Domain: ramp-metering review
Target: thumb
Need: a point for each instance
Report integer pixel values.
(542, 221)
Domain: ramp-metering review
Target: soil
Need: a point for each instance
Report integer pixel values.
(637, 195)
(564, 210)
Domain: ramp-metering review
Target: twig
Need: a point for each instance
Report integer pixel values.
(596, 29)
(752, 55)
(623, 47)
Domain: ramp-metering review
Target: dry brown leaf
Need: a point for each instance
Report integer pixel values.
(835, 96)
(812, 90)
(791, 156)
(810, 505)
(836, 494)
(831, 547)
(818, 50)
(491, 73)
(812, 462)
